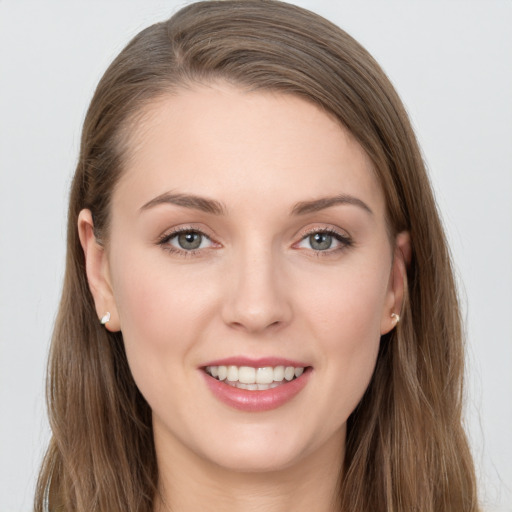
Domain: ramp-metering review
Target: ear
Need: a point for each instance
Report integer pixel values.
(97, 269)
(397, 282)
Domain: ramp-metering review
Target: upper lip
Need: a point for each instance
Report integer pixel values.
(260, 362)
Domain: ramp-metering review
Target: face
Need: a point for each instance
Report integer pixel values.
(248, 243)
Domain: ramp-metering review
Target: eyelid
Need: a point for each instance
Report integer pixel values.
(344, 240)
(342, 237)
(163, 240)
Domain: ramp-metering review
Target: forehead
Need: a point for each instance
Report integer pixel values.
(220, 141)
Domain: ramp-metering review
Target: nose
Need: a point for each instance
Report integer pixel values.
(259, 294)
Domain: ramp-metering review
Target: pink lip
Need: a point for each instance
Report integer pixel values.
(261, 362)
(256, 401)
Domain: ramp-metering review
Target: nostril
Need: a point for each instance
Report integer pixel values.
(253, 325)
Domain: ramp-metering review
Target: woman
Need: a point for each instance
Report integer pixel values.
(259, 309)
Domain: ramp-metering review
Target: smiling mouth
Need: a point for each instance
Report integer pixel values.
(255, 379)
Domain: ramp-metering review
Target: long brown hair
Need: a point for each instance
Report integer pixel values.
(406, 449)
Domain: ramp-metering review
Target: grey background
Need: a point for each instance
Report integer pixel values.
(450, 60)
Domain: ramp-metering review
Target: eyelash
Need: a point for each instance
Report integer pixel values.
(165, 239)
(344, 240)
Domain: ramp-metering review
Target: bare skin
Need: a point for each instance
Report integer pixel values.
(310, 485)
(284, 256)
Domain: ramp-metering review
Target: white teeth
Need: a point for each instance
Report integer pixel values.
(289, 372)
(278, 373)
(265, 375)
(232, 373)
(247, 377)
(222, 373)
(252, 387)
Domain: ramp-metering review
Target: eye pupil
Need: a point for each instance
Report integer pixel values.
(189, 240)
(320, 241)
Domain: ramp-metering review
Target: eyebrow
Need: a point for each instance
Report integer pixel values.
(215, 207)
(316, 205)
(188, 201)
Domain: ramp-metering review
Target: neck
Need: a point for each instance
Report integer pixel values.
(188, 483)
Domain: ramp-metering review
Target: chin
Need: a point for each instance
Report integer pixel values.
(257, 461)
(260, 452)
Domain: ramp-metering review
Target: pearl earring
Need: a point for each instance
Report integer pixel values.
(396, 318)
(105, 318)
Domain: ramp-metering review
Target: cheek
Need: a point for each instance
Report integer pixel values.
(345, 320)
(153, 295)
(349, 302)
(160, 312)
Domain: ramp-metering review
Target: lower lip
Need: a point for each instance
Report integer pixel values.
(257, 401)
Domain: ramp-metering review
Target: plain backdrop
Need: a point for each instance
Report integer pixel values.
(451, 62)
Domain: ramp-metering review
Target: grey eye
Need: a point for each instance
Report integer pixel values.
(189, 240)
(320, 241)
